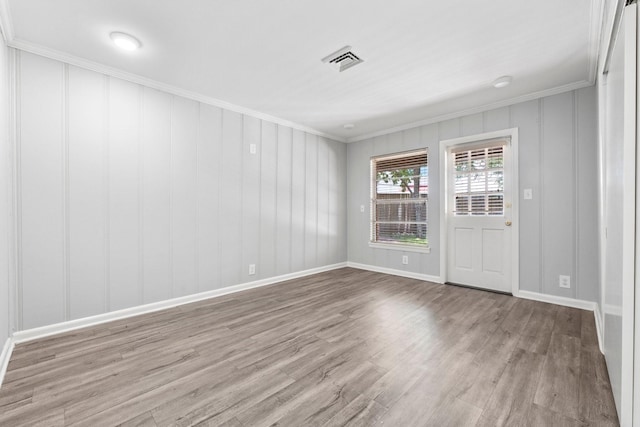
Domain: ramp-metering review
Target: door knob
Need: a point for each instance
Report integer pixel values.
(507, 223)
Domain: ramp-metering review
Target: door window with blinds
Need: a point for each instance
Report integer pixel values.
(479, 179)
(400, 199)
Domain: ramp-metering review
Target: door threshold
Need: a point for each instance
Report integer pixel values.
(477, 288)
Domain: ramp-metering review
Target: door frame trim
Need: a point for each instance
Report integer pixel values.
(635, 326)
(445, 145)
(628, 413)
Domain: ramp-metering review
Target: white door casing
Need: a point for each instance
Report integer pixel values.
(629, 215)
(480, 250)
(635, 321)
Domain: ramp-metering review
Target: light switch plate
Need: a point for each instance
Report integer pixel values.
(528, 194)
(252, 149)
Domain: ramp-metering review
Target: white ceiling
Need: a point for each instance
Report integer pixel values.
(423, 59)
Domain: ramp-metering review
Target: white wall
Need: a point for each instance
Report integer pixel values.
(128, 195)
(6, 255)
(557, 159)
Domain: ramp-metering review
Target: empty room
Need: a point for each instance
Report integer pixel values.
(319, 213)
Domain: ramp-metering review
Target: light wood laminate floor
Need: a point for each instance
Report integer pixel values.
(346, 347)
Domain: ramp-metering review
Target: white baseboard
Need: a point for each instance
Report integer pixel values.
(394, 272)
(45, 331)
(599, 327)
(552, 299)
(5, 356)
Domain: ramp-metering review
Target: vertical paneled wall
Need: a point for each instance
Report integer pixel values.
(6, 221)
(557, 160)
(128, 195)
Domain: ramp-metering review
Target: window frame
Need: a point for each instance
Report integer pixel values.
(373, 183)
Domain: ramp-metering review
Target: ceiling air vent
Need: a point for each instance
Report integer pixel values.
(342, 59)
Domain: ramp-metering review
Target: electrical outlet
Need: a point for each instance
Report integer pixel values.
(564, 281)
(252, 269)
(252, 149)
(405, 259)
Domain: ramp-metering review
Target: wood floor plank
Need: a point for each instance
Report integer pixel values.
(536, 335)
(317, 409)
(569, 321)
(596, 404)
(233, 422)
(453, 412)
(53, 417)
(515, 390)
(344, 347)
(40, 374)
(487, 420)
(488, 366)
(392, 386)
(217, 399)
(142, 420)
(424, 398)
(360, 412)
(537, 416)
(518, 318)
(105, 378)
(588, 333)
(482, 329)
(559, 387)
(278, 405)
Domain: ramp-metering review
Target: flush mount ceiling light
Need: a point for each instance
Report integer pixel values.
(125, 41)
(349, 126)
(502, 81)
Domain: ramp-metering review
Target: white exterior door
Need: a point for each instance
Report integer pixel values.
(479, 214)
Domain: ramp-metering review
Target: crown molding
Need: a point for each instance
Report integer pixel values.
(154, 84)
(474, 110)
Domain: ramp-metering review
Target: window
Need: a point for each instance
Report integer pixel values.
(479, 180)
(399, 200)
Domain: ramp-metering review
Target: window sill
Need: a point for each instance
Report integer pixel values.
(399, 247)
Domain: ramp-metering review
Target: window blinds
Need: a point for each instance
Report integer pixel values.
(479, 179)
(399, 211)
